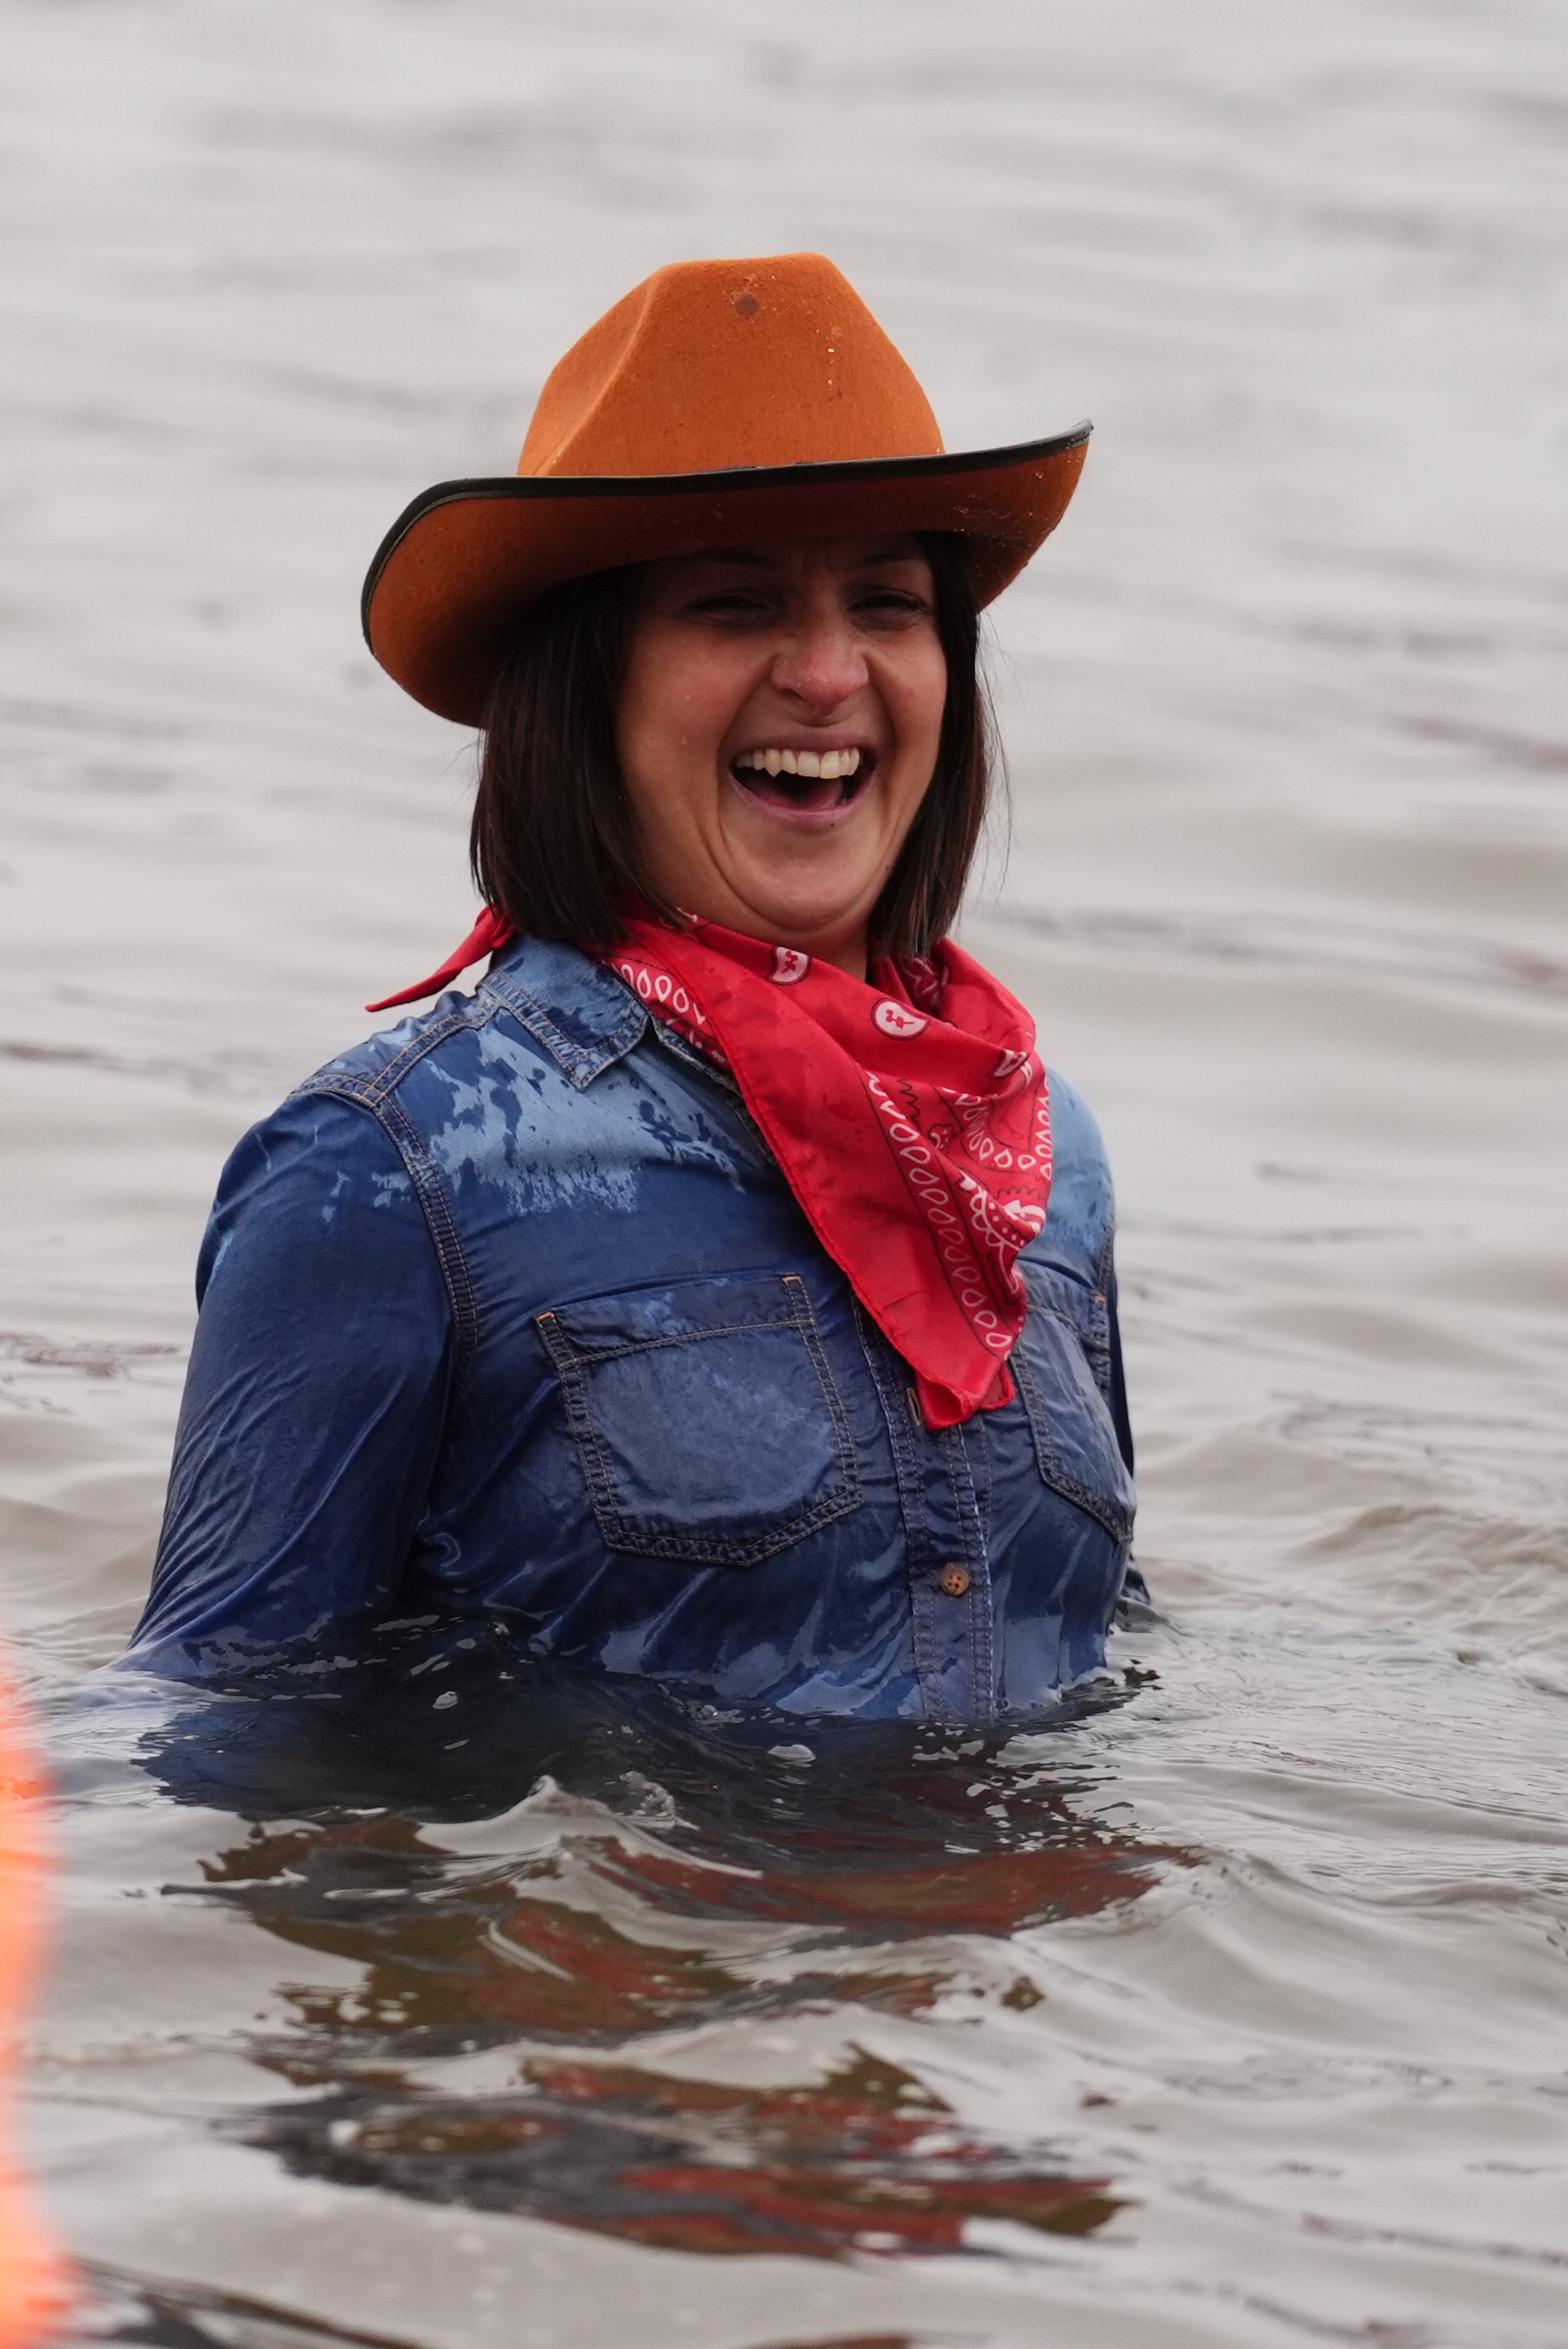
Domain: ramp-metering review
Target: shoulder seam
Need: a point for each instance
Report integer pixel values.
(439, 1221)
(372, 1090)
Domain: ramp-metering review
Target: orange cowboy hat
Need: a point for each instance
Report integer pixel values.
(720, 401)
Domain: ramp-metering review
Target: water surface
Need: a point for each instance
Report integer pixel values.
(1228, 2005)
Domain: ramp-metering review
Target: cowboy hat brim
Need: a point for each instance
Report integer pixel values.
(453, 576)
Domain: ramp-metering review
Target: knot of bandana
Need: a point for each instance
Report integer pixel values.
(909, 1114)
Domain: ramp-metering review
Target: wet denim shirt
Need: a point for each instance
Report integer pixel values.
(509, 1315)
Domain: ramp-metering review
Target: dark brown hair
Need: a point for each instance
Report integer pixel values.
(553, 844)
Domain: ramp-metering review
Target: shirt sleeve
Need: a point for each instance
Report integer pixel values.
(314, 1405)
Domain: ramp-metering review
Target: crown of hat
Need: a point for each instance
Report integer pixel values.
(708, 365)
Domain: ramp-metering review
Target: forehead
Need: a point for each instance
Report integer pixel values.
(791, 557)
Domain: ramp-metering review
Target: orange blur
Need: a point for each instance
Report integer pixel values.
(33, 2289)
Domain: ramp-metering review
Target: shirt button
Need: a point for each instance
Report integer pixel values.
(954, 1580)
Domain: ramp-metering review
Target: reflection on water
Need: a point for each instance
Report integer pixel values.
(660, 1871)
(861, 2161)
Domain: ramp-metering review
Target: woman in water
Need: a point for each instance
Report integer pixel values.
(722, 1292)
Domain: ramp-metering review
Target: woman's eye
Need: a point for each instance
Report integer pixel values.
(892, 604)
(733, 605)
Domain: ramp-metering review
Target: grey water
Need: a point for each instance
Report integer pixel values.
(1231, 2005)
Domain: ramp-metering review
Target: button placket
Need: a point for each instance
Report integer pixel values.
(941, 1528)
(952, 1594)
(970, 1559)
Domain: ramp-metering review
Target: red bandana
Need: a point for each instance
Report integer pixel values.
(909, 1114)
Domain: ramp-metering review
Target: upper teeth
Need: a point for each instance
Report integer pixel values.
(828, 764)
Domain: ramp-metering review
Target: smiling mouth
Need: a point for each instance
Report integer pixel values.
(804, 783)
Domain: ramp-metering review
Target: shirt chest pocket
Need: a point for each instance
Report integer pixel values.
(1062, 1367)
(705, 1416)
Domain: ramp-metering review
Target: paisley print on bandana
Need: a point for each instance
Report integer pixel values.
(910, 1115)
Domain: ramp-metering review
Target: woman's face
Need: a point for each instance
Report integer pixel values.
(752, 671)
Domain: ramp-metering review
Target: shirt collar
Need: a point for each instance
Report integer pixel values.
(582, 1014)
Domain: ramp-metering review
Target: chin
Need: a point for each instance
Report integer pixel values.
(797, 919)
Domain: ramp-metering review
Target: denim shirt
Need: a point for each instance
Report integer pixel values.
(509, 1314)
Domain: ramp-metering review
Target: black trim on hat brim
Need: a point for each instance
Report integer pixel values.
(543, 486)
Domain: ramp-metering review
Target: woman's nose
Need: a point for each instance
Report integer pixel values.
(822, 663)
